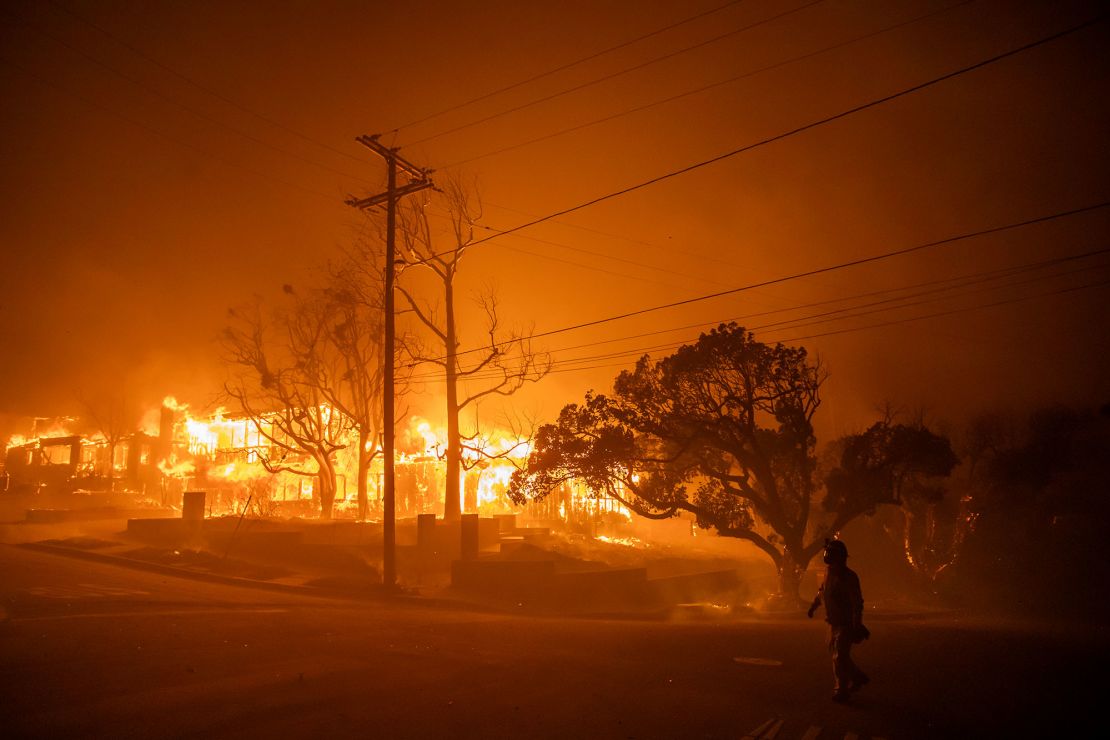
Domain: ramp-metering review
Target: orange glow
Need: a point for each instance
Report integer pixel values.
(228, 456)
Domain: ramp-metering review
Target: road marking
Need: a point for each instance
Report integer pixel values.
(766, 731)
(758, 661)
(770, 729)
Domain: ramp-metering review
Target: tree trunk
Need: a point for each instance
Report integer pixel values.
(325, 481)
(909, 524)
(111, 467)
(363, 473)
(790, 577)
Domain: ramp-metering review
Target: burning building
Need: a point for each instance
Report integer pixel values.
(243, 462)
(55, 457)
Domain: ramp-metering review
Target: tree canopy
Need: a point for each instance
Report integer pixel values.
(903, 465)
(722, 429)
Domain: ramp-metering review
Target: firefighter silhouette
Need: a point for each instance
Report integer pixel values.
(842, 598)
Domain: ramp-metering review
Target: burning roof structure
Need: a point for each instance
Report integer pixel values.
(241, 461)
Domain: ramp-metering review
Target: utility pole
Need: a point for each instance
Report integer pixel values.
(418, 179)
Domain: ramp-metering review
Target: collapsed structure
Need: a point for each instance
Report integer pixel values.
(231, 457)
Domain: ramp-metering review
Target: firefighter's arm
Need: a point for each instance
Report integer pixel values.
(816, 603)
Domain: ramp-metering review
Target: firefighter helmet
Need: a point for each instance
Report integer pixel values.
(835, 551)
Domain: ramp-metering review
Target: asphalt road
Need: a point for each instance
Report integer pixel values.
(95, 650)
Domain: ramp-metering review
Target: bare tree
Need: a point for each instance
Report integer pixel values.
(500, 368)
(278, 380)
(112, 417)
(351, 374)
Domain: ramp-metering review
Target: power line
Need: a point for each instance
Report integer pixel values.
(602, 255)
(621, 237)
(580, 265)
(782, 136)
(901, 302)
(819, 270)
(611, 76)
(984, 276)
(673, 250)
(1061, 291)
(798, 130)
(568, 65)
(593, 268)
(671, 99)
(960, 282)
(842, 314)
(883, 324)
(561, 366)
(704, 88)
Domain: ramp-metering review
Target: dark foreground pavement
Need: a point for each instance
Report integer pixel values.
(94, 650)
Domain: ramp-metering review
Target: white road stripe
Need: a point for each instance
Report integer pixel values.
(766, 731)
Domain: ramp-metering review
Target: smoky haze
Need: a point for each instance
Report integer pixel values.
(163, 164)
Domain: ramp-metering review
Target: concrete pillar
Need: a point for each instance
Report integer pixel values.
(425, 532)
(192, 507)
(468, 535)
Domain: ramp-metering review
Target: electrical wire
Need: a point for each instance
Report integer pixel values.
(989, 274)
(815, 271)
(800, 129)
(781, 136)
(851, 330)
(1019, 299)
(976, 281)
(704, 88)
(613, 75)
(564, 67)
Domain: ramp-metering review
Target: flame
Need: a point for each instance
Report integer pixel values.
(625, 541)
(205, 438)
(50, 428)
(225, 454)
(239, 471)
(175, 469)
(171, 403)
(493, 482)
(433, 442)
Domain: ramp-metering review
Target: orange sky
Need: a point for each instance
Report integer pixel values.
(163, 162)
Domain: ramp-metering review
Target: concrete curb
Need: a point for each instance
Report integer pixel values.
(430, 602)
(311, 591)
